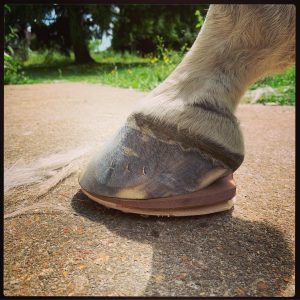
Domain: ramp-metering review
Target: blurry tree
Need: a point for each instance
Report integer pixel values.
(60, 27)
(11, 65)
(137, 26)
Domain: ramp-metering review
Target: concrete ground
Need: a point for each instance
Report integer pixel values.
(86, 249)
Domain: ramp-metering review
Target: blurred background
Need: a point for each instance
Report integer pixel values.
(131, 46)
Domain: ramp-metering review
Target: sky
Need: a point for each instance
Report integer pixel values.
(106, 42)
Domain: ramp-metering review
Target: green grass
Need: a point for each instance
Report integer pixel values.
(123, 70)
(133, 71)
(285, 86)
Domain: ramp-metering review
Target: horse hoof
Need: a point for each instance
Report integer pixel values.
(136, 166)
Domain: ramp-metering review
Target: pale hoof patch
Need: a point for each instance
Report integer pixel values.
(132, 193)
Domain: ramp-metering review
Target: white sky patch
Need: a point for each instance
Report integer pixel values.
(50, 18)
(106, 42)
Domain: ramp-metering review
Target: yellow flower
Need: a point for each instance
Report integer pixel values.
(166, 59)
(153, 60)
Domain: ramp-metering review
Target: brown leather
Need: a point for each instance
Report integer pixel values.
(220, 191)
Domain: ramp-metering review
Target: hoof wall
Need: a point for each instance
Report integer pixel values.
(135, 165)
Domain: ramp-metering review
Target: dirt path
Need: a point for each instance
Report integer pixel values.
(85, 249)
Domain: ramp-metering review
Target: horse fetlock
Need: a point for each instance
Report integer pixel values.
(217, 138)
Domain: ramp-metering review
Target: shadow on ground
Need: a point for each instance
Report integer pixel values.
(216, 254)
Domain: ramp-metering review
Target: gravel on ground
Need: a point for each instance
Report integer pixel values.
(88, 250)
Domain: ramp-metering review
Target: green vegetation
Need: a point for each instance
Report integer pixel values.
(11, 70)
(134, 71)
(136, 27)
(285, 87)
(116, 69)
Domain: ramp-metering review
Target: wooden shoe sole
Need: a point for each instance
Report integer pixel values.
(217, 197)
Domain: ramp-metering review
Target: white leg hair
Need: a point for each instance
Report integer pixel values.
(45, 172)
